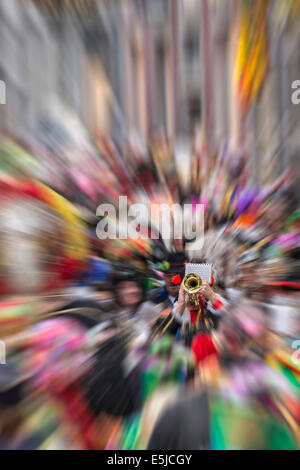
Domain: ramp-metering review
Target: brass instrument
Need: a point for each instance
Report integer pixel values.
(192, 284)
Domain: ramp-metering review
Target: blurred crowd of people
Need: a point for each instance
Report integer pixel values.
(103, 350)
(101, 346)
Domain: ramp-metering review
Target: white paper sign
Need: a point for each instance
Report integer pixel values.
(203, 270)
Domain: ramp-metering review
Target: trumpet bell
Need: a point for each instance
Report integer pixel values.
(192, 283)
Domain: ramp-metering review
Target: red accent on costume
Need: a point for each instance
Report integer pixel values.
(212, 281)
(78, 413)
(176, 280)
(194, 314)
(202, 347)
(217, 305)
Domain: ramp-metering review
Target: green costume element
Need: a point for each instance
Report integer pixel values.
(131, 433)
(292, 219)
(166, 363)
(247, 426)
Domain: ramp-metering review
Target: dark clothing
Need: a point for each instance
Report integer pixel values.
(158, 296)
(185, 426)
(108, 388)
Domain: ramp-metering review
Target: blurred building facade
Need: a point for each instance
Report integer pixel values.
(45, 59)
(144, 66)
(270, 128)
(37, 62)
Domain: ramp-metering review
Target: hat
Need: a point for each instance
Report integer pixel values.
(126, 272)
(174, 263)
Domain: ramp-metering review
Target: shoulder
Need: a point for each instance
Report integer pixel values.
(158, 295)
(149, 310)
(180, 426)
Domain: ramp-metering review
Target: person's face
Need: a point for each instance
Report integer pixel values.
(130, 294)
(172, 290)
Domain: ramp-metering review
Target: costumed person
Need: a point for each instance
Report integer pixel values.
(173, 265)
(133, 308)
(191, 314)
(217, 249)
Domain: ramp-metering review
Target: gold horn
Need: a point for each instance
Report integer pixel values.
(192, 284)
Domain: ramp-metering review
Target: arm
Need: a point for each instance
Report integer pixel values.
(215, 303)
(174, 320)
